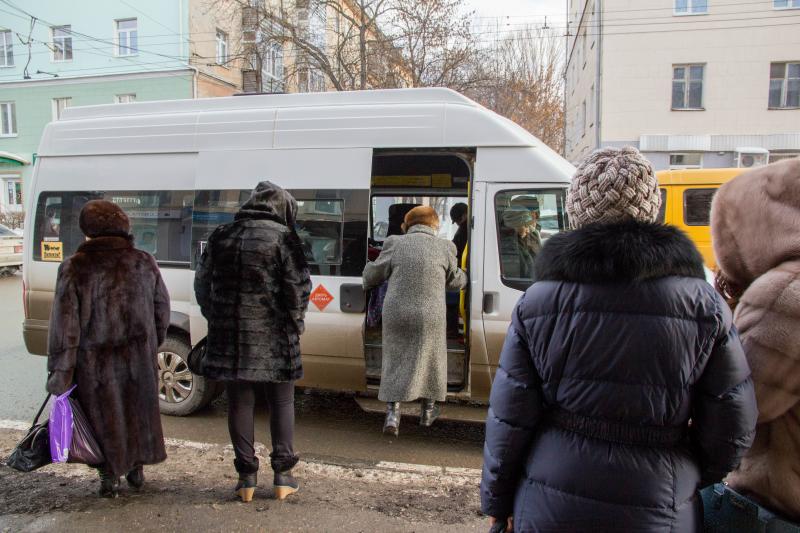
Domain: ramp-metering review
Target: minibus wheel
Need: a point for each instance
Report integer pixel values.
(180, 392)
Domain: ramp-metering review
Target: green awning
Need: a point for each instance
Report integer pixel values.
(5, 161)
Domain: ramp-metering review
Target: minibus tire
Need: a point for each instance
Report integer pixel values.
(173, 397)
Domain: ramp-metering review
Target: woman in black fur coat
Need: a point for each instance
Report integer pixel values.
(110, 314)
(618, 344)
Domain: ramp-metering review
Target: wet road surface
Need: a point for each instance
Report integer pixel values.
(328, 425)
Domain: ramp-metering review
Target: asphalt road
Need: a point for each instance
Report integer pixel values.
(327, 425)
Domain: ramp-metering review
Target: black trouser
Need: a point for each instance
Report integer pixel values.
(241, 414)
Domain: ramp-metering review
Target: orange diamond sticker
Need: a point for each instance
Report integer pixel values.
(321, 297)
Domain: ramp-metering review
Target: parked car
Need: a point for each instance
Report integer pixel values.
(10, 251)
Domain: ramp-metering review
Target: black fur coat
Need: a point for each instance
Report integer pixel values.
(110, 314)
(253, 285)
(622, 335)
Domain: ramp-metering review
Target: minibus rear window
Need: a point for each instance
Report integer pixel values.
(697, 206)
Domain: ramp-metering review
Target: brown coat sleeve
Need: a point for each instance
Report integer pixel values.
(64, 332)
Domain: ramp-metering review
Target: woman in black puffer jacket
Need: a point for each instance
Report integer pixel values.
(611, 353)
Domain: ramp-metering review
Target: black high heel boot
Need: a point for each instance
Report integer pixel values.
(246, 486)
(429, 412)
(285, 484)
(391, 425)
(135, 478)
(109, 485)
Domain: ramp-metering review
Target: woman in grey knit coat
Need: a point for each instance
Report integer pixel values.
(420, 268)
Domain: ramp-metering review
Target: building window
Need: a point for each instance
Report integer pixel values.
(691, 7)
(62, 43)
(8, 119)
(127, 37)
(14, 192)
(272, 68)
(784, 85)
(6, 49)
(125, 98)
(687, 86)
(690, 160)
(778, 156)
(59, 105)
(786, 4)
(222, 48)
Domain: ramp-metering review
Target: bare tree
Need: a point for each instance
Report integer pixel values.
(523, 69)
(329, 43)
(437, 43)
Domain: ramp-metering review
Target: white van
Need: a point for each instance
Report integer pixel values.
(356, 161)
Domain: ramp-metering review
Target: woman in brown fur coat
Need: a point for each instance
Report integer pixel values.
(110, 314)
(755, 224)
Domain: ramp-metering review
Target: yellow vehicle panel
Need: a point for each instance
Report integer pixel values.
(687, 196)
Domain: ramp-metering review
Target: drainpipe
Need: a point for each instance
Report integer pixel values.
(598, 83)
(195, 75)
(564, 77)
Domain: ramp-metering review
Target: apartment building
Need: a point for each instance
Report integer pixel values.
(691, 83)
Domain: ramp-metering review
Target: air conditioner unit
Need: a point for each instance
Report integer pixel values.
(751, 157)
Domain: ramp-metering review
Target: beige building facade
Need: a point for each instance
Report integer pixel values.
(691, 83)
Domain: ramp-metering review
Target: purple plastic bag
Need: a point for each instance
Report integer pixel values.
(60, 427)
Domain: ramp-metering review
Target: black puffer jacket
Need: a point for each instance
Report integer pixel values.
(622, 341)
(252, 285)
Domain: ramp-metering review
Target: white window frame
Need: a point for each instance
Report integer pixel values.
(126, 98)
(66, 28)
(790, 4)
(222, 48)
(687, 82)
(57, 106)
(784, 85)
(690, 8)
(9, 121)
(9, 185)
(272, 68)
(6, 45)
(686, 166)
(126, 50)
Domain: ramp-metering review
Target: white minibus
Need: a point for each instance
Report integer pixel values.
(355, 161)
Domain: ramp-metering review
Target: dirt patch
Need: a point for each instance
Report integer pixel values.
(194, 489)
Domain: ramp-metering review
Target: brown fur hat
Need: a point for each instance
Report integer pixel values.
(422, 214)
(755, 221)
(101, 218)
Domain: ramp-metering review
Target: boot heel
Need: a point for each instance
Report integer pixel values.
(282, 492)
(246, 493)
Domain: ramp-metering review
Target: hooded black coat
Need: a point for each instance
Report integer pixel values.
(623, 336)
(253, 284)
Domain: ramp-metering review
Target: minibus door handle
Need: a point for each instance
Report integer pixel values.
(490, 302)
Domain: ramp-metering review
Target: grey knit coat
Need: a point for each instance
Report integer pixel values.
(420, 268)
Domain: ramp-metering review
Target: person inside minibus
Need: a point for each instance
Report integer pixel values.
(517, 247)
(458, 215)
(533, 239)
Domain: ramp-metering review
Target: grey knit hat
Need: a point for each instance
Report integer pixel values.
(613, 185)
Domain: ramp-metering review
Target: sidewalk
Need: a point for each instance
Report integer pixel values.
(193, 491)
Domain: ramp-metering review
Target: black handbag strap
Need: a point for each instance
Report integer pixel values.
(36, 420)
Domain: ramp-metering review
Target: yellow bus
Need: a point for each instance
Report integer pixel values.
(686, 196)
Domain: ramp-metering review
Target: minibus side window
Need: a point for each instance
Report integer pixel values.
(526, 218)
(160, 223)
(662, 211)
(697, 206)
